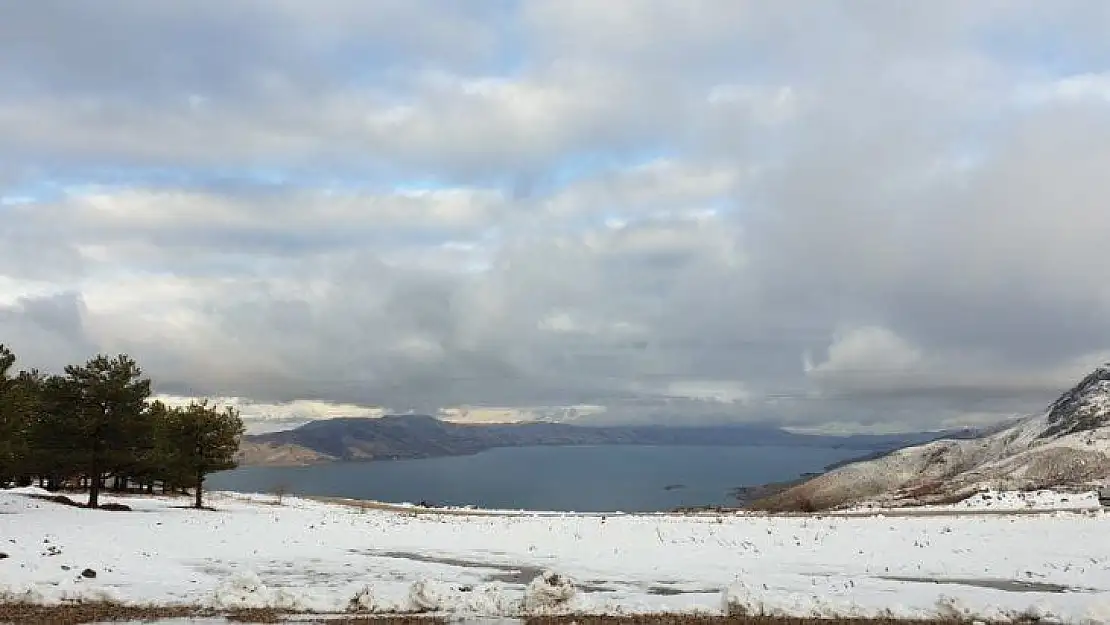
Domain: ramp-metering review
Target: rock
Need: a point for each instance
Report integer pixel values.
(116, 507)
(3, 556)
(88, 574)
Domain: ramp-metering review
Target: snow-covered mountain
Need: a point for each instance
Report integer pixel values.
(1066, 446)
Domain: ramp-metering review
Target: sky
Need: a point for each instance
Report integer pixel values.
(837, 216)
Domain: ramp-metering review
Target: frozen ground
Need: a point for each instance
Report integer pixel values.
(1004, 501)
(320, 557)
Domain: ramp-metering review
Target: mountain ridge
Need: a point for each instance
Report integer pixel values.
(1065, 446)
(392, 437)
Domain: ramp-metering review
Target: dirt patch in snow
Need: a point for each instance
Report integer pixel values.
(510, 574)
(671, 591)
(106, 612)
(73, 614)
(1007, 585)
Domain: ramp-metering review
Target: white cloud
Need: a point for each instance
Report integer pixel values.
(719, 391)
(654, 208)
(866, 350)
(518, 414)
(1091, 86)
(260, 417)
(641, 190)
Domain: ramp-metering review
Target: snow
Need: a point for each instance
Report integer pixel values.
(1068, 444)
(326, 557)
(989, 500)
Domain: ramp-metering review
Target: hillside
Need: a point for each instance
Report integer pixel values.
(1068, 445)
(416, 436)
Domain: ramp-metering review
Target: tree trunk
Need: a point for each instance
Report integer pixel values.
(200, 493)
(94, 491)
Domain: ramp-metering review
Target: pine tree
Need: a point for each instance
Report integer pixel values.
(107, 417)
(203, 439)
(15, 413)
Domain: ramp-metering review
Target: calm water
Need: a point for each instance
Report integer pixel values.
(583, 479)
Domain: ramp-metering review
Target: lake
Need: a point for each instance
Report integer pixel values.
(605, 478)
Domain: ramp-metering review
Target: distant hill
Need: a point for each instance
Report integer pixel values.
(1068, 445)
(418, 436)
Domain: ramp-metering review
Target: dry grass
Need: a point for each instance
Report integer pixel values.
(107, 612)
(256, 615)
(76, 613)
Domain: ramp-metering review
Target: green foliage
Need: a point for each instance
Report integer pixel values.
(96, 421)
(204, 439)
(16, 410)
(105, 417)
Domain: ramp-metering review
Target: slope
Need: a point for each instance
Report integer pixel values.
(1066, 446)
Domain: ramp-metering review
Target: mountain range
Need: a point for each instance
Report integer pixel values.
(419, 436)
(1066, 446)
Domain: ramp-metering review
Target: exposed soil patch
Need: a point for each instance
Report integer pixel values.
(66, 501)
(256, 615)
(61, 499)
(507, 573)
(1008, 585)
(76, 613)
(92, 612)
(510, 574)
(671, 591)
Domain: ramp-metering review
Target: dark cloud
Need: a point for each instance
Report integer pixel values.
(862, 215)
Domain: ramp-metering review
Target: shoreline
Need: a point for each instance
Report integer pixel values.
(893, 512)
(737, 498)
(409, 509)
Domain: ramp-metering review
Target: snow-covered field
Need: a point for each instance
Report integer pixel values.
(306, 555)
(1004, 501)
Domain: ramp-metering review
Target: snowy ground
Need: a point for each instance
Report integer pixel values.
(1005, 501)
(313, 556)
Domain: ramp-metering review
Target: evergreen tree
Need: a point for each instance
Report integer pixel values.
(203, 439)
(95, 421)
(16, 407)
(54, 440)
(102, 413)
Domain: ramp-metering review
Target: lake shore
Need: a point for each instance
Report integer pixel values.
(570, 478)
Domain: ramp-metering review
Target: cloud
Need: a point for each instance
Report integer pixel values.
(868, 350)
(261, 417)
(829, 216)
